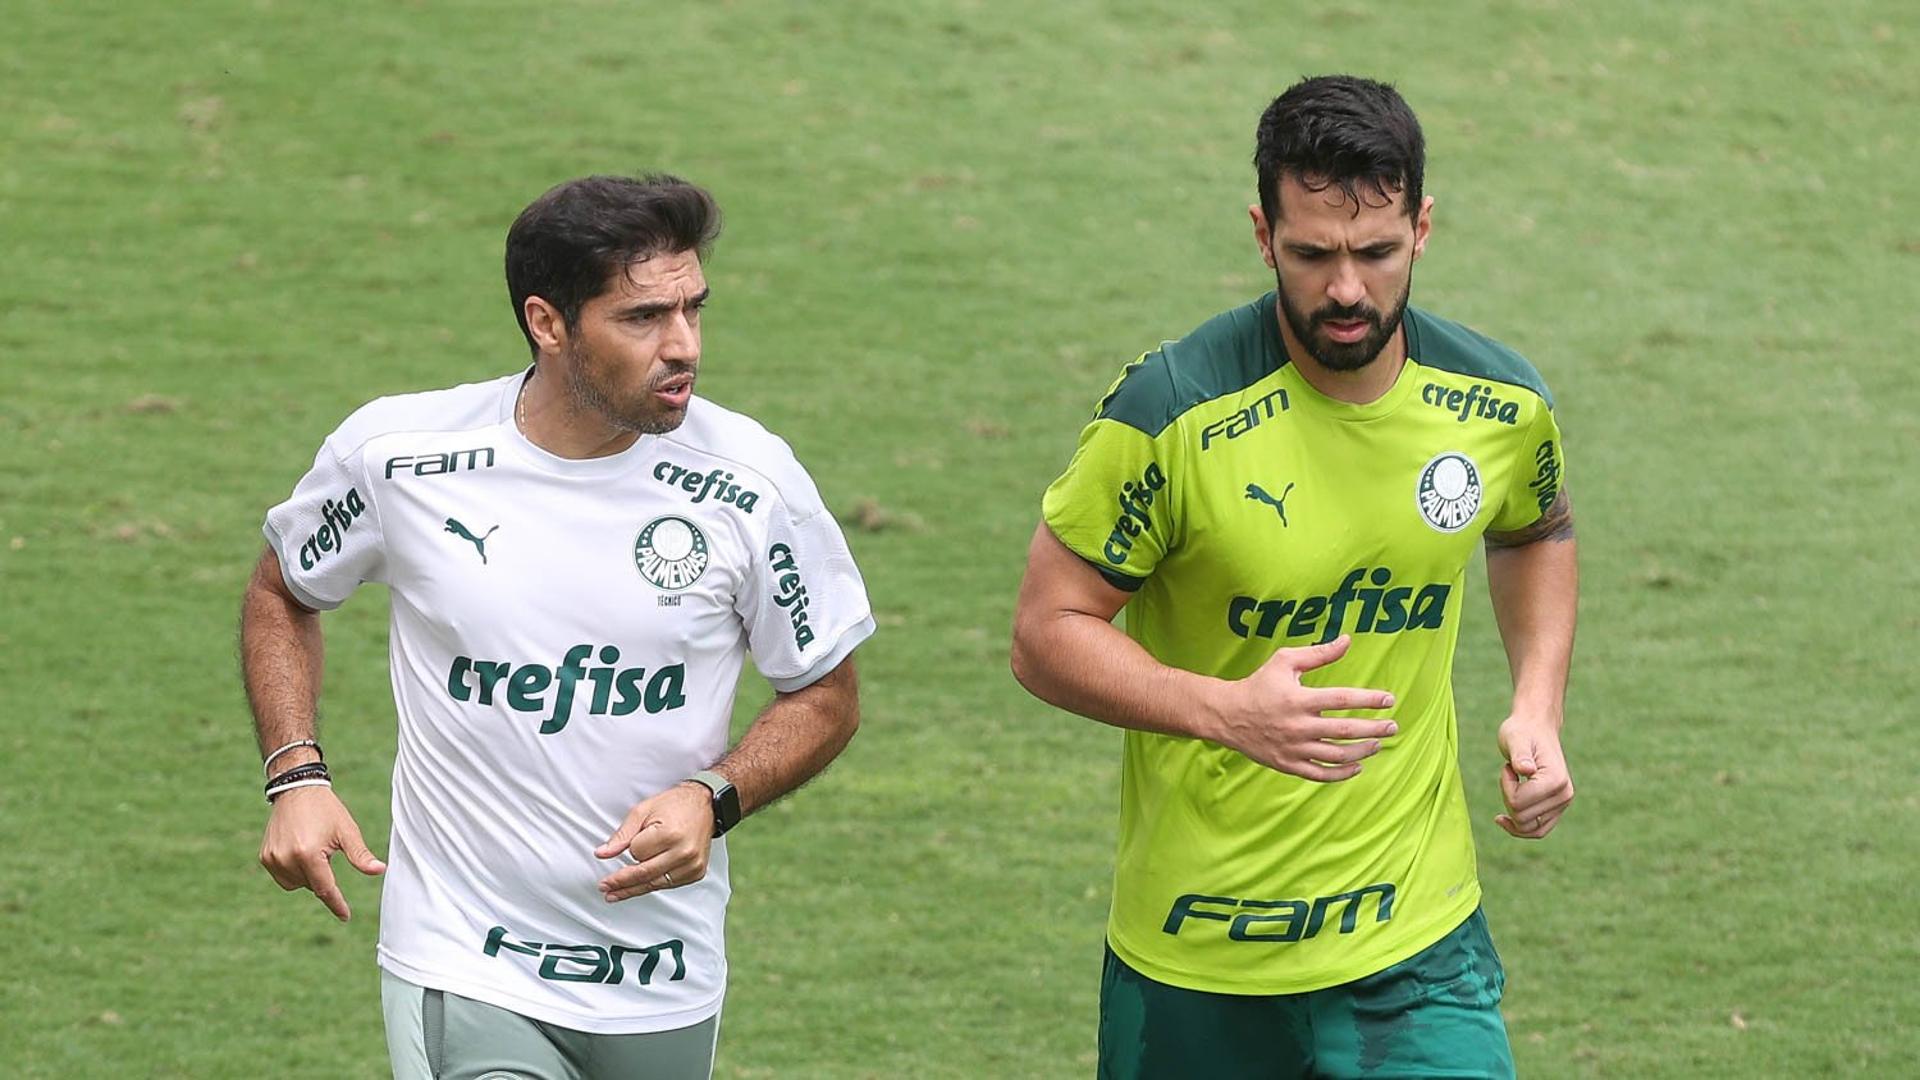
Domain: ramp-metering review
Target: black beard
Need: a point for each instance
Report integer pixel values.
(1335, 355)
(585, 395)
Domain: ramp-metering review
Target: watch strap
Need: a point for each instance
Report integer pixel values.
(711, 780)
(726, 799)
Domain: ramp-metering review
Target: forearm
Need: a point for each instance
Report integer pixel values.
(794, 738)
(1082, 663)
(281, 658)
(1535, 588)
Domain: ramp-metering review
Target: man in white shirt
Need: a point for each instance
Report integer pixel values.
(580, 556)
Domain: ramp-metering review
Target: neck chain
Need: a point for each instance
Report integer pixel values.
(520, 403)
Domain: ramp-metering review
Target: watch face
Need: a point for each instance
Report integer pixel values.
(726, 809)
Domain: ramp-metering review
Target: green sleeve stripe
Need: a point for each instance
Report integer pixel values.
(1441, 343)
(1226, 354)
(1115, 578)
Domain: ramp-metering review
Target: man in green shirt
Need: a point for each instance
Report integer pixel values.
(1284, 503)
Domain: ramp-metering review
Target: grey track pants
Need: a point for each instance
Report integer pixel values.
(434, 1035)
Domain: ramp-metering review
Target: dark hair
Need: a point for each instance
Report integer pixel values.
(1340, 130)
(566, 245)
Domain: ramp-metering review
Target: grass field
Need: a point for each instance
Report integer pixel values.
(228, 223)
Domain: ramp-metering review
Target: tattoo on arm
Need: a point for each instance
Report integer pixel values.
(1556, 525)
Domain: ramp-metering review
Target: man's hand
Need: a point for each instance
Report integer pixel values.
(306, 827)
(669, 836)
(1534, 782)
(1280, 723)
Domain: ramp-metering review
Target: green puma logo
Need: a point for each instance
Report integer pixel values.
(479, 542)
(1259, 494)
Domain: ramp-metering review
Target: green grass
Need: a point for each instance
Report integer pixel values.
(227, 224)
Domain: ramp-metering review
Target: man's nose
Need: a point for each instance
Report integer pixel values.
(682, 338)
(1346, 288)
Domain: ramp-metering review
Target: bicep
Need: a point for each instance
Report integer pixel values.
(837, 692)
(1059, 582)
(270, 580)
(1556, 524)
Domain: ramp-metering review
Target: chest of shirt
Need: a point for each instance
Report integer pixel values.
(1283, 500)
(499, 557)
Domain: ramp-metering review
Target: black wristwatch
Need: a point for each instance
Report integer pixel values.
(726, 800)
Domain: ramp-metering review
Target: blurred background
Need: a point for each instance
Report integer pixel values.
(227, 224)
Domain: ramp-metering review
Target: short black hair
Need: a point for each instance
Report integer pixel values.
(566, 245)
(1340, 130)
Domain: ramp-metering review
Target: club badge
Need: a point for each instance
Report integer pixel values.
(671, 553)
(1449, 492)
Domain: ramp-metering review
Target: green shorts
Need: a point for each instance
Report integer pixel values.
(1434, 1014)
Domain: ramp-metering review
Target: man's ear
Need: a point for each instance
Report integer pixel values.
(1423, 226)
(1262, 234)
(545, 323)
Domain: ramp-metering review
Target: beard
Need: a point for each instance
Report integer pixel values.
(1337, 355)
(587, 391)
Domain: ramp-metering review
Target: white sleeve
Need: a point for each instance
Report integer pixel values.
(327, 533)
(804, 605)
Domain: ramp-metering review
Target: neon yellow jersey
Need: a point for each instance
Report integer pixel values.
(1247, 512)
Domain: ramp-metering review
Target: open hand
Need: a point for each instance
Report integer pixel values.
(1273, 718)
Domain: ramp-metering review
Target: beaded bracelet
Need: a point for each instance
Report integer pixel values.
(312, 774)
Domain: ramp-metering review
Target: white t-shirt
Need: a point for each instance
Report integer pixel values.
(567, 636)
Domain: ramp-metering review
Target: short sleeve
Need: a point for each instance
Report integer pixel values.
(327, 533)
(804, 605)
(1112, 506)
(1538, 475)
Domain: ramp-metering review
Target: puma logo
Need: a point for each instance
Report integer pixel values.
(1259, 494)
(479, 542)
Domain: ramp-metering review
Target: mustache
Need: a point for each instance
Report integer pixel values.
(672, 369)
(1347, 313)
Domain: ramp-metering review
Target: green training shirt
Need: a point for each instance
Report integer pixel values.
(1247, 512)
